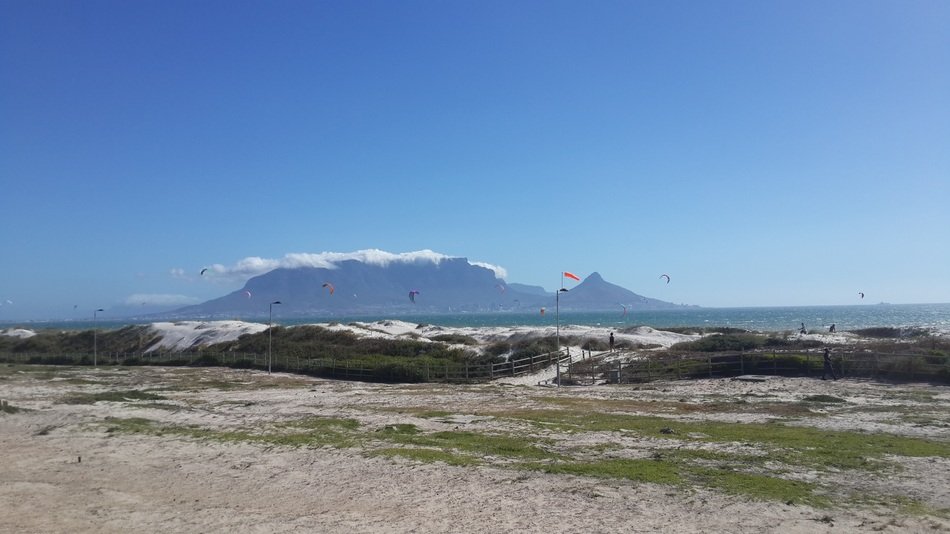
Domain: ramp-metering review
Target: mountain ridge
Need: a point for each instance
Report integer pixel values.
(451, 285)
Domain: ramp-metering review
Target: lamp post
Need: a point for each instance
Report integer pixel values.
(270, 324)
(557, 330)
(95, 338)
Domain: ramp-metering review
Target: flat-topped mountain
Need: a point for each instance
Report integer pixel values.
(450, 285)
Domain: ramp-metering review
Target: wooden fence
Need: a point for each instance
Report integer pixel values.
(718, 365)
(586, 369)
(407, 370)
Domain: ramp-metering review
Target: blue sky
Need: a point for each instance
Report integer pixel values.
(761, 153)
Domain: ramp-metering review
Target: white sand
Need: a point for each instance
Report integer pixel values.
(18, 332)
(63, 471)
(185, 335)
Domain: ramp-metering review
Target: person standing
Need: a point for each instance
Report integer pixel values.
(829, 369)
(611, 342)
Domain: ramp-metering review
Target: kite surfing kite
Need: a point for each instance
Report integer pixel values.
(624, 310)
(203, 271)
(412, 295)
(860, 293)
(666, 276)
(329, 286)
(248, 293)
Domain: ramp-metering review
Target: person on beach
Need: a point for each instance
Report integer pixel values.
(802, 331)
(832, 328)
(611, 342)
(828, 368)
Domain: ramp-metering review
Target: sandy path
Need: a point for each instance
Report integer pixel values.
(147, 483)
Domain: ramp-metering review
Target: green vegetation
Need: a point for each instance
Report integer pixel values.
(902, 354)
(640, 470)
(760, 486)
(112, 396)
(428, 456)
(306, 349)
(748, 459)
(474, 443)
(455, 339)
(892, 333)
(6, 407)
(742, 342)
(310, 432)
(830, 399)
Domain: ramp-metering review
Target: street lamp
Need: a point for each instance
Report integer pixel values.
(557, 330)
(95, 338)
(270, 324)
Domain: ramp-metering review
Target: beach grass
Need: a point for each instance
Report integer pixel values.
(112, 396)
(750, 459)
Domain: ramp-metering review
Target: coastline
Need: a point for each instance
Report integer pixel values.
(762, 319)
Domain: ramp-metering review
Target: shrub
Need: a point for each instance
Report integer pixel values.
(721, 342)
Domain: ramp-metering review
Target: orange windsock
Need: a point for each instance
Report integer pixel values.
(572, 275)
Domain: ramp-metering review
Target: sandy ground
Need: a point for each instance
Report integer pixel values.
(63, 470)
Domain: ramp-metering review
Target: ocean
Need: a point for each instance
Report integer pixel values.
(935, 317)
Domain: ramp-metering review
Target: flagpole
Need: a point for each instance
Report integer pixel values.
(557, 329)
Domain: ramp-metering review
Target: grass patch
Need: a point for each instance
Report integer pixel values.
(796, 445)
(8, 408)
(131, 425)
(760, 487)
(112, 396)
(428, 456)
(322, 424)
(318, 432)
(726, 405)
(827, 399)
(640, 470)
(472, 443)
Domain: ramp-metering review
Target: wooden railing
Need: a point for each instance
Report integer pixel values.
(407, 370)
(718, 365)
(584, 369)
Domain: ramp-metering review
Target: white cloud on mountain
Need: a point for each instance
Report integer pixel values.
(253, 266)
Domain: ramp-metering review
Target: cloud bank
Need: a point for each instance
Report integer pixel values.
(253, 266)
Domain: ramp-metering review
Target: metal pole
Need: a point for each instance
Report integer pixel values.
(95, 339)
(557, 332)
(270, 325)
(557, 328)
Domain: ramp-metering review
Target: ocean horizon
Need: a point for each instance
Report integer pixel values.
(933, 317)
